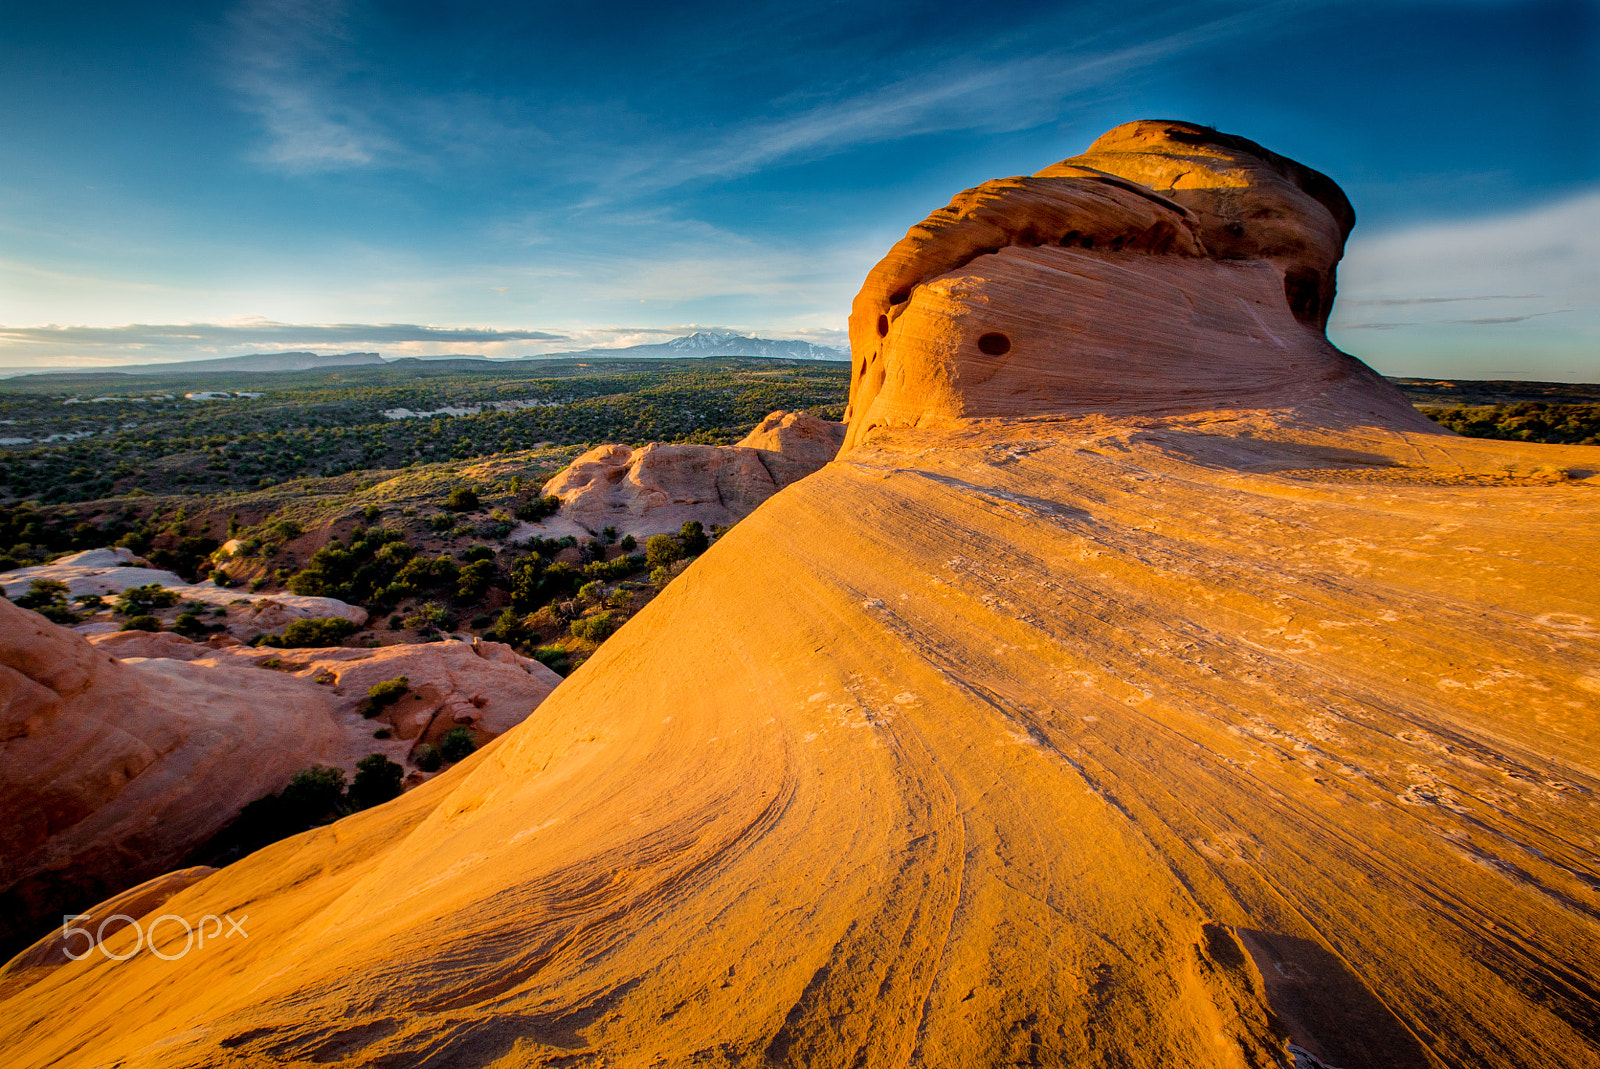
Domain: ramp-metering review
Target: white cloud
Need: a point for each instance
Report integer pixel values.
(1520, 294)
(288, 59)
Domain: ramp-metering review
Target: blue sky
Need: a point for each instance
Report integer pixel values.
(202, 179)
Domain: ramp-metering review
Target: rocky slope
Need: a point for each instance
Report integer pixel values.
(1148, 701)
(121, 754)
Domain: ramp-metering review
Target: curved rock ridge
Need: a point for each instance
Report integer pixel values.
(1150, 735)
(121, 754)
(655, 488)
(1170, 268)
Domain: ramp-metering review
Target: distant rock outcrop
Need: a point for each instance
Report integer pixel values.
(111, 571)
(655, 488)
(122, 753)
(1146, 685)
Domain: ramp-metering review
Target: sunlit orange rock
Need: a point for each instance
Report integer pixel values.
(121, 754)
(1160, 691)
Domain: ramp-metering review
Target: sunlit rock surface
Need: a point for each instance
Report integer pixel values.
(1159, 691)
(121, 754)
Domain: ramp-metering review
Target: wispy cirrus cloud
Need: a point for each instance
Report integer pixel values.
(292, 66)
(986, 93)
(1401, 301)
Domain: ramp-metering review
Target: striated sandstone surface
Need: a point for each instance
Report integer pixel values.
(121, 754)
(1145, 715)
(655, 488)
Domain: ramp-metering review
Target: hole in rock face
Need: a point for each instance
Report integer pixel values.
(1087, 243)
(883, 326)
(1302, 288)
(1070, 237)
(1117, 243)
(994, 344)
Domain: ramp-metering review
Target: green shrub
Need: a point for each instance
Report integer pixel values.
(507, 628)
(139, 600)
(555, 658)
(628, 543)
(475, 579)
(534, 582)
(377, 780)
(537, 509)
(372, 513)
(313, 793)
(48, 598)
(316, 632)
(382, 733)
(142, 623)
(442, 521)
(612, 570)
(481, 621)
(190, 626)
(662, 550)
(591, 591)
(596, 628)
(462, 499)
(618, 599)
(221, 578)
(381, 695)
(430, 615)
(477, 553)
(426, 757)
(285, 531)
(456, 744)
(692, 536)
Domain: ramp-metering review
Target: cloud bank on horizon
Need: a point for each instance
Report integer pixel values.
(272, 174)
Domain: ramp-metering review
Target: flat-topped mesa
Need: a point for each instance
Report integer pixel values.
(1170, 268)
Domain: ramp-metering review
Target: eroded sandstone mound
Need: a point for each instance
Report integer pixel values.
(1157, 706)
(655, 488)
(121, 754)
(1168, 269)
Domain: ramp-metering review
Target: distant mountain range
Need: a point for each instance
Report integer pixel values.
(700, 343)
(707, 343)
(252, 362)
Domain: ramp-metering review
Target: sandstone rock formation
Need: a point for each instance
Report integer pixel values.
(111, 571)
(122, 753)
(1150, 705)
(654, 489)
